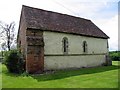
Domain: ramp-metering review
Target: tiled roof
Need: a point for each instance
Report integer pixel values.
(56, 22)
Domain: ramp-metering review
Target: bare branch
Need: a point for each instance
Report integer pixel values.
(7, 34)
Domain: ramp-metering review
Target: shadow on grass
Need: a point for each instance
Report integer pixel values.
(66, 73)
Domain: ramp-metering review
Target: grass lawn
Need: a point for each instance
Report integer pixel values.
(0, 76)
(99, 77)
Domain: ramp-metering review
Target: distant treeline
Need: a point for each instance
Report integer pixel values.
(115, 55)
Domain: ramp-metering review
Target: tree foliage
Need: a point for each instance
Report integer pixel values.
(115, 55)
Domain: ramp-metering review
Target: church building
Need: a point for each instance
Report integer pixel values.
(53, 41)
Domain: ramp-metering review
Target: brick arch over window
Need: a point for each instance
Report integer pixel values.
(85, 47)
(65, 45)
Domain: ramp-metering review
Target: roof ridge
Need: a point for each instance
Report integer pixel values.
(55, 12)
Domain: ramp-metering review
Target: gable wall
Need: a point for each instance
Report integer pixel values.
(22, 35)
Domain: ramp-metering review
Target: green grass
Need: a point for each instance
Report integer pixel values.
(99, 77)
(0, 76)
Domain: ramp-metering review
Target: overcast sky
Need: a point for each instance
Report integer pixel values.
(104, 13)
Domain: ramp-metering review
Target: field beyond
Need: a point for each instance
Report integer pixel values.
(98, 77)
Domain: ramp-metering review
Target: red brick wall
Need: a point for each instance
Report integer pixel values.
(35, 51)
(22, 35)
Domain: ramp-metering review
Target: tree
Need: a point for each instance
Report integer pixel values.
(7, 34)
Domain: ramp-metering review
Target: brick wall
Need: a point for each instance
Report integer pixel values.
(35, 51)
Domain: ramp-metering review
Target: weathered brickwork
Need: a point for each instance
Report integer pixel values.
(35, 51)
(21, 38)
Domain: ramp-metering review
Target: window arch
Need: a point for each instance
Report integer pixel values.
(65, 45)
(84, 46)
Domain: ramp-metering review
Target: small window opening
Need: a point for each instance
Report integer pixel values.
(65, 45)
(84, 46)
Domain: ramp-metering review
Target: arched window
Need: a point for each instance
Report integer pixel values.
(84, 46)
(107, 44)
(65, 45)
